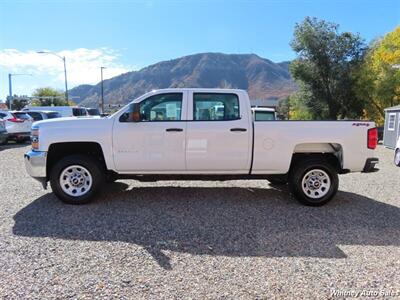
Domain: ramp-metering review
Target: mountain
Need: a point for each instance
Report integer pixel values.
(262, 78)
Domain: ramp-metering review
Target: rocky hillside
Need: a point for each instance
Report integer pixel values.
(262, 78)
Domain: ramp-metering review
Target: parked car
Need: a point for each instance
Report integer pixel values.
(264, 114)
(64, 111)
(172, 134)
(397, 153)
(18, 125)
(43, 115)
(93, 112)
(3, 132)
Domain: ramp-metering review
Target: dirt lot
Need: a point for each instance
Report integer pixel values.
(199, 240)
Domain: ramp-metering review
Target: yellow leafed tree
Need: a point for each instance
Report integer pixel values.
(379, 77)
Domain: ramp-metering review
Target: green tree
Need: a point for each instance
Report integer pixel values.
(325, 69)
(283, 108)
(48, 96)
(18, 103)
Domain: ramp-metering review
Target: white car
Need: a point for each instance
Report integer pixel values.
(64, 111)
(397, 153)
(43, 115)
(175, 134)
(18, 125)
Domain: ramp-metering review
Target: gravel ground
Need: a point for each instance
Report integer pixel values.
(199, 240)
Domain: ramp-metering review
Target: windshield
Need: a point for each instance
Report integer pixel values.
(21, 115)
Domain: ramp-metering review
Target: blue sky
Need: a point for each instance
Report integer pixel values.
(127, 35)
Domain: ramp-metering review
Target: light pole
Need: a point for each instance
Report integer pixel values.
(65, 70)
(10, 86)
(102, 89)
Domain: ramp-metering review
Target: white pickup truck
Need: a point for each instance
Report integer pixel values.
(182, 134)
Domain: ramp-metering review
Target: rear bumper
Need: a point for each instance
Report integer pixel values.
(370, 165)
(35, 165)
(3, 136)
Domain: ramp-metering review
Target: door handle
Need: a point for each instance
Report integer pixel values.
(173, 129)
(238, 129)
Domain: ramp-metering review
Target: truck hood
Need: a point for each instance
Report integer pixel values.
(71, 122)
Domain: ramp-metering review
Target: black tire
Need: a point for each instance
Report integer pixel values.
(278, 179)
(95, 169)
(397, 161)
(110, 178)
(305, 167)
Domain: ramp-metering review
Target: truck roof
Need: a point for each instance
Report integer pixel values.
(218, 90)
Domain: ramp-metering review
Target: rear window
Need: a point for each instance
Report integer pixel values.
(53, 115)
(21, 115)
(77, 112)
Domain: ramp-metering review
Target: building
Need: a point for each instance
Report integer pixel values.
(392, 126)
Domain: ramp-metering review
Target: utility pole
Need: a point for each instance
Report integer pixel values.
(10, 91)
(65, 70)
(10, 87)
(102, 90)
(65, 79)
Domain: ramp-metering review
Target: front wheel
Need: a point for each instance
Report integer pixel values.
(397, 157)
(314, 182)
(75, 179)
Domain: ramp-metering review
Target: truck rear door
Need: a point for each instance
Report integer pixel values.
(219, 134)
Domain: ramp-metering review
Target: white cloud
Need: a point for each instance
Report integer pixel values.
(83, 65)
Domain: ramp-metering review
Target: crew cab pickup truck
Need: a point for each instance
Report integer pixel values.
(183, 134)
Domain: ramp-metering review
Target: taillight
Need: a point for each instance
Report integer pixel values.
(372, 138)
(16, 120)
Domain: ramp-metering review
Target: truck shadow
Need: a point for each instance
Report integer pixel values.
(223, 221)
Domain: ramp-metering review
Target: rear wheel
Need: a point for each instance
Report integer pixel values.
(313, 182)
(76, 179)
(397, 157)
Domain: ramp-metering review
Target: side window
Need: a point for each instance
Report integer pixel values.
(36, 116)
(78, 112)
(215, 107)
(2, 115)
(392, 121)
(162, 107)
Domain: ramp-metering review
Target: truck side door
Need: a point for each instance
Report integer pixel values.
(156, 143)
(218, 137)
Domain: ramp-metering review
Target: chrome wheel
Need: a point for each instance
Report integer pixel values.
(397, 158)
(75, 180)
(316, 183)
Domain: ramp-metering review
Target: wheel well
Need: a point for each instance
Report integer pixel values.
(59, 150)
(331, 158)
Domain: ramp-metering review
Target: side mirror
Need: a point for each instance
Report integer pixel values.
(135, 114)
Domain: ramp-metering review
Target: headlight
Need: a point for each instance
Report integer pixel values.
(35, 138)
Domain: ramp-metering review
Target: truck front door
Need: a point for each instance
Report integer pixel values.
(156, 144)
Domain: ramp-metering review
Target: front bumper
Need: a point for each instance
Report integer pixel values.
(35, 164)
(370, 164)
